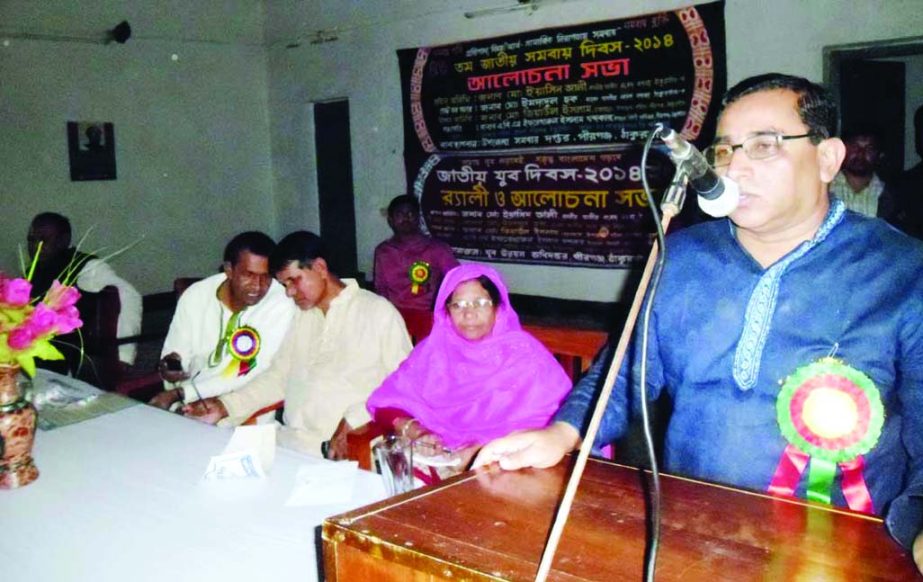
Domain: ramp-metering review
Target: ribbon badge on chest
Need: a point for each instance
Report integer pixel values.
(243, 345)
(419, 274)
(831, 414)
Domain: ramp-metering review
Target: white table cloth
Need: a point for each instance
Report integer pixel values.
(121, 497)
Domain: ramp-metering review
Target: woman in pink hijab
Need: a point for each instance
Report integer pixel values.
(477, 376)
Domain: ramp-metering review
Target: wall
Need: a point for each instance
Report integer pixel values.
(220, 140)
(914, 100)
(191, 134)
(361, 65)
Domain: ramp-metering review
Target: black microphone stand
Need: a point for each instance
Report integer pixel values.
(671, 205)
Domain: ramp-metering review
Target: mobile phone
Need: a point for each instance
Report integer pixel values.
(173, 365)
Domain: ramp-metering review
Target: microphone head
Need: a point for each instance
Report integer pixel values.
(724, 204)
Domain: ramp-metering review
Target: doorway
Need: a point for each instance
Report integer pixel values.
(879, 86)
(335, 186)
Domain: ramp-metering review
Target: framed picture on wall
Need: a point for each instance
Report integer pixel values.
(91, 147)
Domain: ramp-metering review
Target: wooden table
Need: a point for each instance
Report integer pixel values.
(493, 525)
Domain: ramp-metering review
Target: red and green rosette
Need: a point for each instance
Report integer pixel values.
(419, 274)
(244, 345)
(831, 414)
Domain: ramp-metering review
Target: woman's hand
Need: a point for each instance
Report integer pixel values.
(410, 428)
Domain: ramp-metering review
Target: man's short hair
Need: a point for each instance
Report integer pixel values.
(253, 241)
(815, 105)
(57, 221)
(403, 200)
(851, 133)
(300, 246)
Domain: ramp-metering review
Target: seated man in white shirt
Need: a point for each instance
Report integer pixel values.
(227, 328)
(57, 259)
(344, 341)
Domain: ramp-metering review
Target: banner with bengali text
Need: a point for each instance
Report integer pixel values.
(553, 121)
(579, 209)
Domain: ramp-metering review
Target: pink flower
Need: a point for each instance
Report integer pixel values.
(42, 320)
(61, 296)
(15, 292)
(21, 338)
(68, 319)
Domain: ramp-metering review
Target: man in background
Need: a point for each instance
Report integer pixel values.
(227, 328)
(344, 341)
(857, 184)
(49, 239)
(409, 266)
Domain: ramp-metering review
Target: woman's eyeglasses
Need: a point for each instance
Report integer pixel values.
(465, 304)
(761, 146)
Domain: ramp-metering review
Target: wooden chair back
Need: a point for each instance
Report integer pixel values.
(274, 407)
(99, 362)
(573, 348)
(419, 323)
(180, 284)
(142, 382)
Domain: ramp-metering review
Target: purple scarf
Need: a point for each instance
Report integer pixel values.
(469, 392)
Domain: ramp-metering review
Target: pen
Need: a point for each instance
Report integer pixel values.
(196, 390)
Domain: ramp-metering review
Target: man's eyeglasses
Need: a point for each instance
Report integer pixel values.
(761, 146)
(464, 304)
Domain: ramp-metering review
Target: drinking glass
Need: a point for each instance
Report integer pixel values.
(394, 457)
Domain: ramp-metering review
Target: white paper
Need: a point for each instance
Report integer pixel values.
(324, 483)
(250, 453)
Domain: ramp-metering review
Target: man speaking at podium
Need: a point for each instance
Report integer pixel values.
(790, 337)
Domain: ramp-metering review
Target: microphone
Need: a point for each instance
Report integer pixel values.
(718, 196)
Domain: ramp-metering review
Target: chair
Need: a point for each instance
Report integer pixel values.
(419, 323)
(574, 348)
(100, 312)
(359, 443)
(143, 382)
(180, 284)
(275, 406)
(93, 354)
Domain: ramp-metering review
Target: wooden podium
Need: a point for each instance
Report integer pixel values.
(492, 525)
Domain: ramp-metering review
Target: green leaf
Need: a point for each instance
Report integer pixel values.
(44, 350)
(27, 363)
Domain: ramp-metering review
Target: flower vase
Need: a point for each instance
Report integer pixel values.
(17, 431)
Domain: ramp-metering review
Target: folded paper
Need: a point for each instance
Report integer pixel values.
(250, 453)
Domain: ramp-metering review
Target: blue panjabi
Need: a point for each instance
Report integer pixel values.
(725, 333)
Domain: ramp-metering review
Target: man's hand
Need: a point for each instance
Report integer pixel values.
(532, 448)
(338, 449)
(171, 368)
(210, 410)
(918, 551)
(166, 398)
